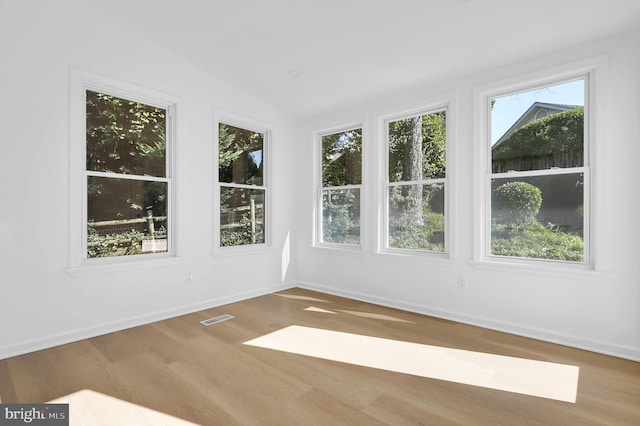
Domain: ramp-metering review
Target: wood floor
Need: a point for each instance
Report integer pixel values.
(206, 375)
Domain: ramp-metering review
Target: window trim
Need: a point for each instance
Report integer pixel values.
(446, 105)
(589, 71)
(79, 82)
(317, 234)
(246, 123)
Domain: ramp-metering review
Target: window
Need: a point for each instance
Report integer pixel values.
(538, 174)
(416, 184)
(341, 184)
(243, 190)
(127, 176)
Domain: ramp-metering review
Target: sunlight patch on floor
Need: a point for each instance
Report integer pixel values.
(374, 316)
(519, 375)
(314, 309)
(87, 407)
(295, 296)
(358, 314)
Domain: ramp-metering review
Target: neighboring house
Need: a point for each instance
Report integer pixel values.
(535, 112)
(554, 143)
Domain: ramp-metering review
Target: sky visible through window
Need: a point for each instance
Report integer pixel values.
(508, 109)
(257, 157)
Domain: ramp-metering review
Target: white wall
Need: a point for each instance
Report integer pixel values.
(594, 310)
(41, 304)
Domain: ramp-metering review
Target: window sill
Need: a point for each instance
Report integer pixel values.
(416, 257)
(339, 249)
(90, 268)
(252, 250)
(542, 268)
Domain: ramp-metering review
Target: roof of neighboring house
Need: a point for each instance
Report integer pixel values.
(525, 117)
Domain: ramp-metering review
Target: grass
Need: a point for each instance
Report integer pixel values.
(429, 236)
(537, 242)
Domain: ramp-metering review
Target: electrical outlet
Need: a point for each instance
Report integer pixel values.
(463, 283)
(189, 277)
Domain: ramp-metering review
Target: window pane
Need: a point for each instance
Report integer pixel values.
(417, 148)
(341, 216)
(538, 217)
(538, 129)
(241, 216)
(126, 217)
(342, 158)
(240, 155)
(125, 136)
(416, 217)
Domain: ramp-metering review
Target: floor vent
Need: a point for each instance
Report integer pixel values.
(216, 320)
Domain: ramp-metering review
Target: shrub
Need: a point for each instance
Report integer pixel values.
(518, 203)
(124, 243)
(428, 236)
(241, 234)
(341, 217)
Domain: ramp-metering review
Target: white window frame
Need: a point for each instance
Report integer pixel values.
(80, 82)
(317, 238)
(447, 180)
(252, 125)
(482, 256)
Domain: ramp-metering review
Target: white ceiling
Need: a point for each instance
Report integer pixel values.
(352, 50)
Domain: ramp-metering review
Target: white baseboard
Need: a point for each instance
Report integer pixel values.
(32, 345)
(604, 348)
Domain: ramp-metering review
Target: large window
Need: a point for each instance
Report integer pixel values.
(127, 177)
(538, 175)
(341, 183)
(417, 166)
(243, 190)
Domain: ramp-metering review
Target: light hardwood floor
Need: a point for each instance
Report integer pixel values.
(206, 375)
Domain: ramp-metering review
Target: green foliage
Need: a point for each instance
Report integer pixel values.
(536, 242)
(517, 203)
(241, 235)
(417, 151)
(561, 132)
(341, 217)
(125, 243)
(125, 136)
(425, 232)
(428, 236)
(240, 160)
(341, 165)
(235, 160)
(235, 216)
(342, 158)
(434, 144)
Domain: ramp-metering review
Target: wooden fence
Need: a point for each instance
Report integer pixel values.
(110, 227)
(155, 239)
(229, 218)
(562, 159)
